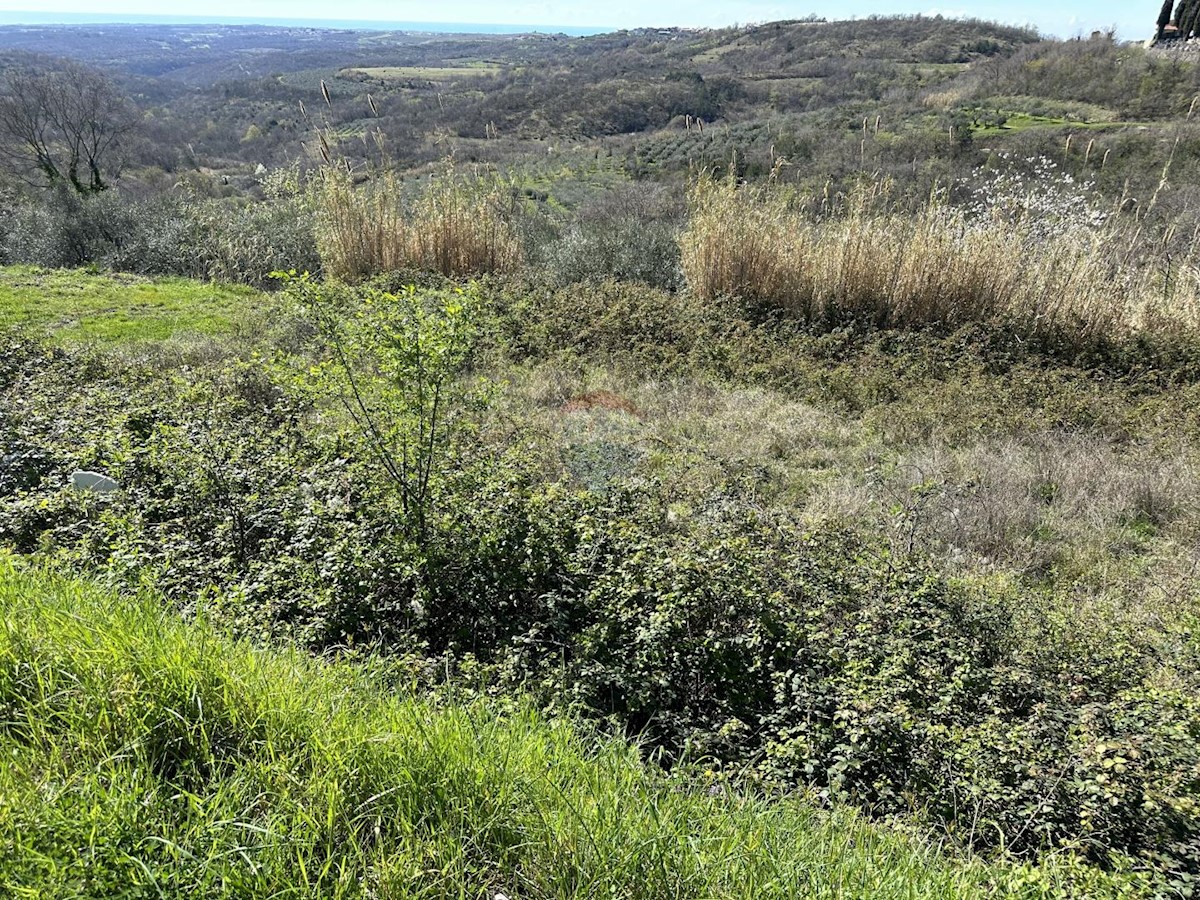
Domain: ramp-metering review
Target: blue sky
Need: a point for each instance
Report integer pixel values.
(1132, 20)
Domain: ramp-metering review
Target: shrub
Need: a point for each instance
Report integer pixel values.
(395, 361)
(630, 235)
(627, 249)
(164, 235)
(644, 329)
(66, 229)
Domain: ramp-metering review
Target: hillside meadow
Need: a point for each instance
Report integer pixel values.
(145, 756)
(763, 487)
(940, 576)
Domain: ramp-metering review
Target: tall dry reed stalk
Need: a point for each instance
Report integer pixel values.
(934, 266)
(457, 225)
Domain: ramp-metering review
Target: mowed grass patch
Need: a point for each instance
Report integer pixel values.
(79, 307)
(1023, 122)
(148, 756)
(425, 73)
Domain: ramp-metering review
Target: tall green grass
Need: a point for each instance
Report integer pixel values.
(146, 756)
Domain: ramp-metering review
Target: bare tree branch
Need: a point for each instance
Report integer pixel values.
(63, 124)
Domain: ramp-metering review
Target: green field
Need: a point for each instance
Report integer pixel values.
(1024, 122)
(75, 307)
(1025, 113)
(424, 73)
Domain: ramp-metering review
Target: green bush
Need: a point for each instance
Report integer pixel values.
(65, 229)
(168, 234)
(627, 249)
(148, 756)
(628, 234)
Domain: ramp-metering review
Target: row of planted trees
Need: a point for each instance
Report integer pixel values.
(1183, 14)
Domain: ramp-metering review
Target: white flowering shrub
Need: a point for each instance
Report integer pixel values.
(1034, 192)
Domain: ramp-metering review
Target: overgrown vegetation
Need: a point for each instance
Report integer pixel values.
(145, 755)
(177, 234)
(638, 565)
(854, 469)
(456, 226)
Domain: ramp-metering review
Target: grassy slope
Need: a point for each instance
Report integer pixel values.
(148, 756)
(144, 755)
(76, 307)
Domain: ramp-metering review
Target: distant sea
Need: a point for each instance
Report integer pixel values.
(18, 17)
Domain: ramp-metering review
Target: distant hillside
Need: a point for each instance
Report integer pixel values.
(204, 54)
(922, 101)
(524, 87)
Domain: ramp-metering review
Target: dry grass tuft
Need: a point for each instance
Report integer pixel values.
(458, 226)
(606, 400)
(1071, 505)
(935, 266)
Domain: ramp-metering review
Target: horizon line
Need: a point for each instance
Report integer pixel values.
(18, 17)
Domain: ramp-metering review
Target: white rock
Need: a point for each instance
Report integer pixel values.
(94, 482)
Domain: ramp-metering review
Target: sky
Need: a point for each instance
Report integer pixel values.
(1065, 18)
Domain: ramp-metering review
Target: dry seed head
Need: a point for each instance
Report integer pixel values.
(371, 104)
(325, 93)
